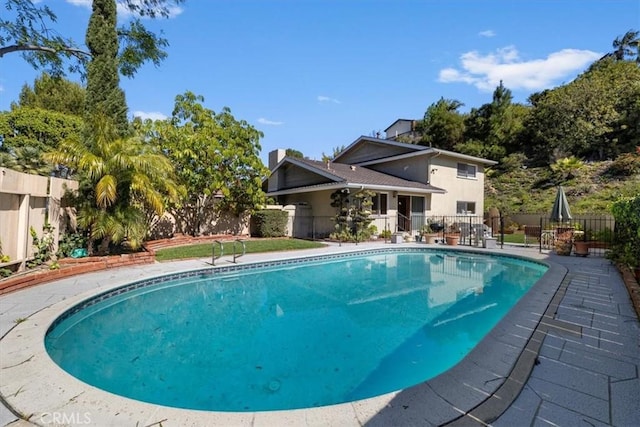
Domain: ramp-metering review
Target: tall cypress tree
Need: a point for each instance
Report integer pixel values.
(104, 96)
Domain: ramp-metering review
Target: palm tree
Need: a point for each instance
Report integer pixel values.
(119, 178)
(627, 45)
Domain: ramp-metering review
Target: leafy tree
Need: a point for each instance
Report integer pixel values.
(442, 126)
(496, 127)
(27, 27)
(336, 150)
(215, 156)
(119, 178)
(294, 153)
(592, 117)
(28, 132)
(53, 93)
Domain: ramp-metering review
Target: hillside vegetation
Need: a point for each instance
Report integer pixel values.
(591, 188)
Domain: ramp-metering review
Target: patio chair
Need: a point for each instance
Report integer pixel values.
(532, 233)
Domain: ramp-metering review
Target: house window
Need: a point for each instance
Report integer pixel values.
(379, 206)
(466, 170)
(464, 208)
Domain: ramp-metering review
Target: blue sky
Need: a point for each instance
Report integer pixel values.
(313, 75)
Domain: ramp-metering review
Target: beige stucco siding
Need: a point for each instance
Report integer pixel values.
(319, 201)
(445, 175)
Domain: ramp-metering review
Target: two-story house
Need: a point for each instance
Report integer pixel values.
(411, 183)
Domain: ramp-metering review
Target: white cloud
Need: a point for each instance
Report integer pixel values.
(486, 71)
(322, 98)
(83, 3)
(264, 121)
(487, 33)
(153, 115)
(123, 11)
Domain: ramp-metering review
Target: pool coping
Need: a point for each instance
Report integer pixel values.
(478, 389)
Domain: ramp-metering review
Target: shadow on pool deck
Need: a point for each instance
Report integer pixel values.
(577, 364)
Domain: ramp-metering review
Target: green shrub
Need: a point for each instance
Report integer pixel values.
(69, 242)
(43, 245)
(627, 164)
(269, 223)
(626, 248)
(385, 234)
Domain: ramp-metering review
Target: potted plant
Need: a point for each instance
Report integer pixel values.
(428, 235)
(453, 235)
(580, 245)
(564, 243)
(452, 239)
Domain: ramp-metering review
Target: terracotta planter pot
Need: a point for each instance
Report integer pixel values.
(452, 240)
(581, 248)
(430, 238)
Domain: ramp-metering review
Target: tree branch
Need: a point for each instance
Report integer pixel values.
(29, 47)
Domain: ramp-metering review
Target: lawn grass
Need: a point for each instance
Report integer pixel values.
(514, 238)
(203, 250)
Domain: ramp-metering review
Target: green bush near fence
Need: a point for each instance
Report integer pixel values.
(269, 223)
(626, 248)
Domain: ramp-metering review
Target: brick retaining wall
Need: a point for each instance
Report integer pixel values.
(74, 266)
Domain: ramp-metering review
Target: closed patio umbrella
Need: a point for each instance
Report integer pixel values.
(560, 211)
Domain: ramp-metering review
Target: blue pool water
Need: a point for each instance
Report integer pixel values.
(302, 335)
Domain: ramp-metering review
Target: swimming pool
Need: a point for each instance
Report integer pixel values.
(343, 334)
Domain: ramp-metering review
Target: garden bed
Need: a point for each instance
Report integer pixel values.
(73, 266)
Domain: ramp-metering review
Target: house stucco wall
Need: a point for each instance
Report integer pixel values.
(323, 213)
(444, 174)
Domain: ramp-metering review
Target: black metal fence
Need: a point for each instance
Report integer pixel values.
(591, 233)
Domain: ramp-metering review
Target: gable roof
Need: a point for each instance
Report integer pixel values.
(396, 150)
(366, 144)
(340, 175)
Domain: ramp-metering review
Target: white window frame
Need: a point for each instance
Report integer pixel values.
(378, 211)
(466, 210)
(468, 171)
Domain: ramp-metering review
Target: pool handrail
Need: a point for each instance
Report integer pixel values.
(213, 251)
(244, 249)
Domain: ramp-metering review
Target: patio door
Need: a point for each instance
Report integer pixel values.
(417, 212)
(404, 213)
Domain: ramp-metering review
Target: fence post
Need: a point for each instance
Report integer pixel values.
(386, 227)
(540, 237)
(501, 231)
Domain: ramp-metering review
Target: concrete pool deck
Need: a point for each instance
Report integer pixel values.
(578, 332)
